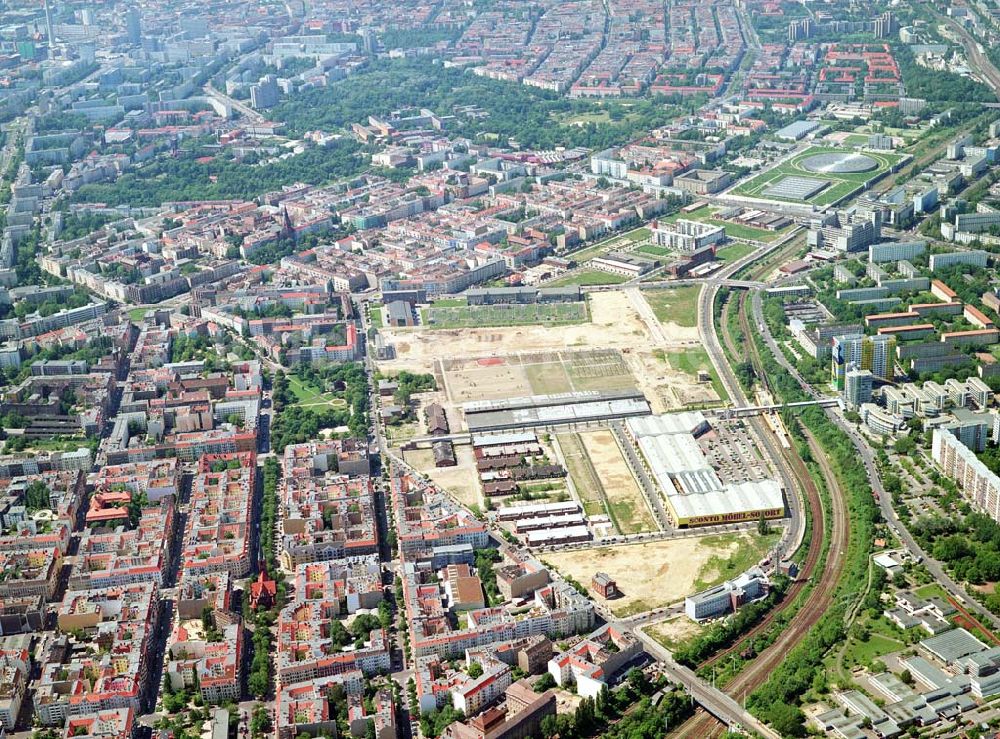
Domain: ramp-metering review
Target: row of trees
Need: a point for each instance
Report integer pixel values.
(259, 681)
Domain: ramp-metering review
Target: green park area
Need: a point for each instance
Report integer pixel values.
(309, 393)
(619, 241)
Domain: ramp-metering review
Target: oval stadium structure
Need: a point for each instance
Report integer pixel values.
(839, 163)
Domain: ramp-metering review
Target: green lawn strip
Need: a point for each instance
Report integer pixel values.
(377, 318)
(931, 590)
(309, 396)
(58, 444)
(700, 214)
(733, 252)
(740, 231)
(656, 251)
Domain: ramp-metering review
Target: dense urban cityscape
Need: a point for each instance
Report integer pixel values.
(499, 369)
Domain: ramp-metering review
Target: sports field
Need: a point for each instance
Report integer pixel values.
(473, 316)
(838, 185)
(584, 277)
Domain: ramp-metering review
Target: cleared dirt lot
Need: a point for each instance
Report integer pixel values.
(461, 481)
(616, 324)
(674, 632)
(625, 499)
(486, 379)
(651, 575)
(535, 373)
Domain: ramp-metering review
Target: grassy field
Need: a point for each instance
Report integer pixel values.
(733, 252)
(58, 444)
(582, 473)
(856, 139)
(654, 251)
(475, 316)
(742, 551)
(691, 361)
(933, 590)
(136, 314)
(588, 277)
(377, 317)
(676, 632)
(575, 371)
(865, 652)
(626, 505)
(840, 185)
(676, 305)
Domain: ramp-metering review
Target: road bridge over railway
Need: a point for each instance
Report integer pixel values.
(754, 410)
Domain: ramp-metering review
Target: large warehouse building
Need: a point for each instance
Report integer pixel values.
(548, 411)
(693, 491)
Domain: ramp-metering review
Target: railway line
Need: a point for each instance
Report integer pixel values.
(818, 599)
(814, 550)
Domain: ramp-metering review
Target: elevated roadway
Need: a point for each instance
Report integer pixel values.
(717, 703)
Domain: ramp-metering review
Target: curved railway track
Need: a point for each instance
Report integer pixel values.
(818, 600)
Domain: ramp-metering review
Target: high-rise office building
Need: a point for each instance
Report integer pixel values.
(50, 35)
(872, 353)
(857, 387)
(265, 93)
(133, 26)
